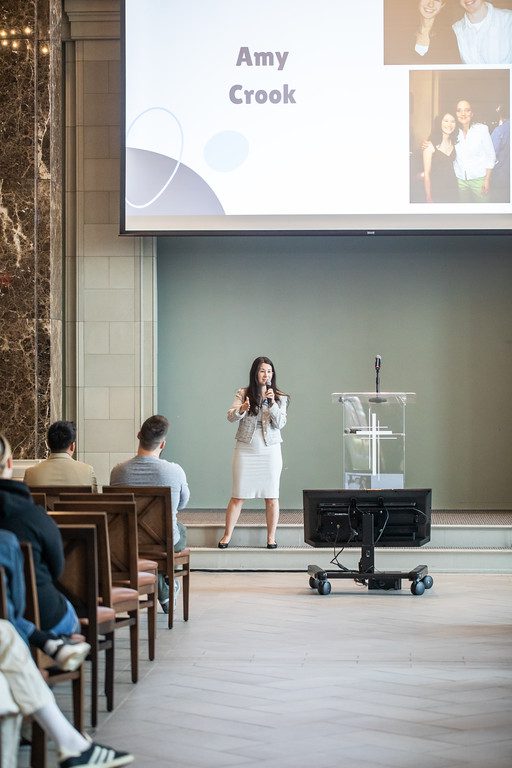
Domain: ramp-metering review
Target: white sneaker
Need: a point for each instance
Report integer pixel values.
(70, 655)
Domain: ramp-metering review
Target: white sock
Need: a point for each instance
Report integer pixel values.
(67, 739)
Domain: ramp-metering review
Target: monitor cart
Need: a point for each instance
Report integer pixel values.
(419, 577)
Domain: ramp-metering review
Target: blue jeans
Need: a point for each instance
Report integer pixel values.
(69, 624)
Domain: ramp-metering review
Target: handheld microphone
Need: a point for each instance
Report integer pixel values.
(378, 362)
(269, 386)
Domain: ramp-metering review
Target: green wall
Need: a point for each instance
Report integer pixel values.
(438, 310)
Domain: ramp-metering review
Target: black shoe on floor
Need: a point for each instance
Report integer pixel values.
(223, 546)
(272, 546)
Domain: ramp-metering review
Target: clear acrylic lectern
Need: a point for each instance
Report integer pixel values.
(373, 438)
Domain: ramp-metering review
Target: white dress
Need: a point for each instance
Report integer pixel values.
(256, 468)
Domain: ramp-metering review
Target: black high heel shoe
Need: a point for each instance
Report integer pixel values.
(223, 546)
(272, 546)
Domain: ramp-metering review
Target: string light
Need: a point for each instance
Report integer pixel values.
(13, 37)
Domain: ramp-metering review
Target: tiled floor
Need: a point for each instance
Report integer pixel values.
(268, 673)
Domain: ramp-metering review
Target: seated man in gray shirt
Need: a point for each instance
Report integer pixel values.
(147, 468)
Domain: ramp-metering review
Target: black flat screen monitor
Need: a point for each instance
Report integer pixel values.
(334, 518)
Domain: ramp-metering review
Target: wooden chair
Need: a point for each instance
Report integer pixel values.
(52, 492)
(51, 673)
(79, 582)
(123, 600)
(124, 563)
(39, 499)
(154, 522)
(144, 564)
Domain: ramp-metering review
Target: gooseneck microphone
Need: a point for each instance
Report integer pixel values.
(377, 398)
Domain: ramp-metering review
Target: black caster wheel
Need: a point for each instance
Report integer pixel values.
(417, 587)
(324, 587)
(428, 582)
(313, 583)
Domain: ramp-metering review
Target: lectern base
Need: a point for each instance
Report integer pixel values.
(319, 579)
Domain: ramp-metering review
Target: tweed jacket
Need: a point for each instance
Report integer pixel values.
(272, 420)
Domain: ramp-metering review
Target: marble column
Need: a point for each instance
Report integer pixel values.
(30, 214)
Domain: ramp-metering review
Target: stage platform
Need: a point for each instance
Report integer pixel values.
(469, 541)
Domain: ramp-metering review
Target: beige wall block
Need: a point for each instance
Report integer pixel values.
(96, 142)
(96, 402)
(114, 142)
(122, 272)
(113, 77)
(122, 403)
(122, 338)
(96, 338)
(104, 240)
(114, 211)
(101, 109)
(105, 436)
(96, 208)
(148, 350)
(148, 290)
(102, 174)
(101, 50)
(95, 272)
(109, 370)
(96, 76)
(148, 402)
(108, 305)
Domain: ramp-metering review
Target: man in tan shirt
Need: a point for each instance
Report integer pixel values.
(60, 468)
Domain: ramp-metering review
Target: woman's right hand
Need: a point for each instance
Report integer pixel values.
(245, 406)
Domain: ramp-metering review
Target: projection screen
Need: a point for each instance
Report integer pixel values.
(298, 116)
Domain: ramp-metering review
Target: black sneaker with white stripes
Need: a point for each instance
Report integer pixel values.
(98, 755)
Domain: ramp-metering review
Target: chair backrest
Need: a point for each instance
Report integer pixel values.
(3, 594)
(53, 492)
(96, 497)
(99, 520)
(122, 533)
(154, 519)
(79, 579)
(39, 499)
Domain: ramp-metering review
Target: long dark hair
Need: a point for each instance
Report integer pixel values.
(252, 391)
(436, 135)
